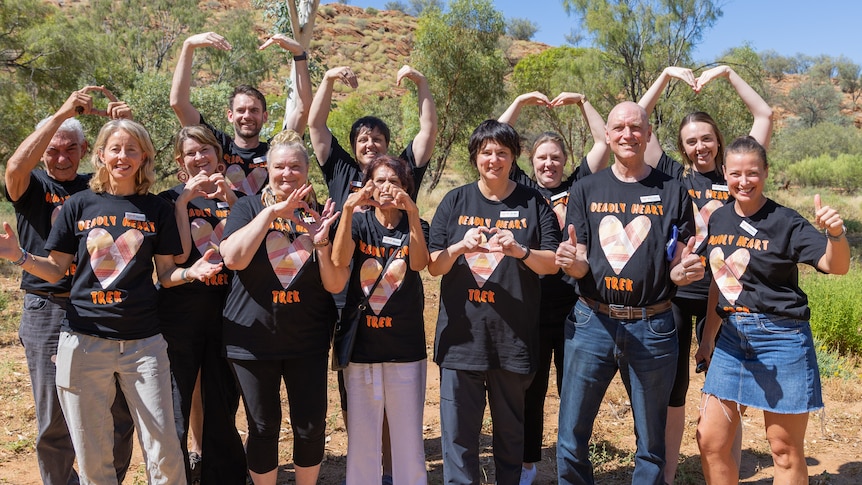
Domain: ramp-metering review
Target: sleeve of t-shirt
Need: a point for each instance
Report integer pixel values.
(576, 214)
(356, 226)
(240, 214)
(669, 166)
(581, 171)
(807, 244)
(519, 175)
(25, 197)
(169, 236)
(549, 227)
(418, 172)
(62, 237)
(426, 229)
(686, 218)
(439, 232)
(337, 155)
(222, 137)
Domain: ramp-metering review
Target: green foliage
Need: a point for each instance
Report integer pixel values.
(833, 364)
(814, 102)
(458, 53)
(842, 172)
(521, 28)
(776, 65)
(836, 309)
(244, 63)
(795, 144)
(399, 6)
(419, 7)
(371, 11)
(357, 105)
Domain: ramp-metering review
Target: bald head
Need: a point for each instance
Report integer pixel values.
(628, 132)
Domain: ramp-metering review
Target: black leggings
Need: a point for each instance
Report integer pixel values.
(260, 384)
(684, 310)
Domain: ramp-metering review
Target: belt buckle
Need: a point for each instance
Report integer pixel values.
(622, 312)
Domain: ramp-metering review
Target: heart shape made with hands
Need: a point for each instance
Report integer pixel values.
(727, 271)
(286, 257)
(487, 238)
(108, 257)
(701, 220)
(390, 282)
(620, 243)
(247, 184)
(205, 236)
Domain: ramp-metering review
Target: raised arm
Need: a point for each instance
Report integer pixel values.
(423, 143)
(321, 138)
(761, 129)
(650, 99)
(50, 268)
(181, 84)
(510, 116)
(297, 118)
(836, 259)
(599, 154)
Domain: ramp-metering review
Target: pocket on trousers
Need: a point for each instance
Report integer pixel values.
(67, 348)
(662, 327)
(34, 302)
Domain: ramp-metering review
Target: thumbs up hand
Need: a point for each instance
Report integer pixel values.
(690, 266)
(828, 218)
(571, 256)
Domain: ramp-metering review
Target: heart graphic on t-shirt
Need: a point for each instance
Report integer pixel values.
(108, 257)
(390, 282)
(247, 184)
(205, 236)
(728, 271)
(701, 220)
(55, 213)
(482, 265)
(287, 257)
(560, 211)
(618, 243)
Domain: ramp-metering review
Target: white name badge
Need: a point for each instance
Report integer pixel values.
(719, 187)
(650, 198)
(509, 214)
(308, 219)
(748, 228)
(259, 160)
(356, 183)
(222, 205)
(135, 216)
(391, 241)
(559, 196)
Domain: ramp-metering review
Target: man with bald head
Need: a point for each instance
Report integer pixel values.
(627, 229)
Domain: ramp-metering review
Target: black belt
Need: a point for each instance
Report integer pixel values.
(47, 294)
(623, 312)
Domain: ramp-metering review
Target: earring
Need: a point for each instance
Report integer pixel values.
(183, 176)
(220, 168)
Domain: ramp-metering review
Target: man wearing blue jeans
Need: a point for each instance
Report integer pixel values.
(37, 196)
(625, 229)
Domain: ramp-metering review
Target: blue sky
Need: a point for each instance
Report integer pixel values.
(788, 27)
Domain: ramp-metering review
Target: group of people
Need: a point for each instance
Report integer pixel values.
(598, 272)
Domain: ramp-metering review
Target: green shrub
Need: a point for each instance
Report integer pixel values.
(371, 11)
(840, 172)
(836, 309)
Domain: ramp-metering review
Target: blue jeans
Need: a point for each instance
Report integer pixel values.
(38, 333)
(645, 352)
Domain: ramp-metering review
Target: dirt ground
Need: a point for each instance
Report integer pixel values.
(833, 440)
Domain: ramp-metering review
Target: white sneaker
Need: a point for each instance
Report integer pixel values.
(528, 474)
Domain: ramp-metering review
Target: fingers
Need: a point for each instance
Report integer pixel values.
(817, 203)
(565, 98)
(343, 74)
(573, 238)
(689, 247)
(211, 39)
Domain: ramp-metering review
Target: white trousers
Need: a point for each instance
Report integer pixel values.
(399, 388)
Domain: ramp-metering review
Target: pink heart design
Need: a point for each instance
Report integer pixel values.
(248, 184)
(560, 210)
(109, 258)
(728, 271)
(482, 265)
(55, 213)
(285, 257)
(701, 220)
(390, 282)
(618, 243)
(206, 237)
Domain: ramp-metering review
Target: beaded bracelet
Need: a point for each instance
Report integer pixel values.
(23, 259)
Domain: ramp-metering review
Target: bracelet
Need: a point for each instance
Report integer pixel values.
(23, 259)
(527, 253)
(185, 276)
(301, 57)
(321, 244)
(838, 237)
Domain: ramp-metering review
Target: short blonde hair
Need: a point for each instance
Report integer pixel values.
(146, 175)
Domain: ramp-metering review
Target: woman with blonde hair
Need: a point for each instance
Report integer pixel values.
(119, 233)
(279, 312)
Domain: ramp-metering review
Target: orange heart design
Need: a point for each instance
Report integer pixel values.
(285, 257)
(248, 184)
(560, 210)
(205, 236)
(482, 265)
(728, 271)
(390, 282)
(109, 258)
(618, 243)
(701, 220)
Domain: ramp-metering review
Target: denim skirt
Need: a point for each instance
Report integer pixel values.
(765, 362)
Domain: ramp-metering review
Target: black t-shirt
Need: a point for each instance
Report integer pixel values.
(489, 303)
(626, 227)
(392, 328)
(115, 239)
(245, 169)
(277, 306)
(708, 192)
(558, 289)
(207, 218)
(35, 212)
(754, 259)
(343, 175)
